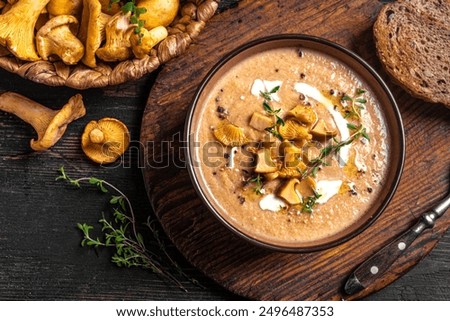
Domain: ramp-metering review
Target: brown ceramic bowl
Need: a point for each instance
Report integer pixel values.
(388, 107)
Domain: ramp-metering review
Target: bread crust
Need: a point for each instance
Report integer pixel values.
(412, 39)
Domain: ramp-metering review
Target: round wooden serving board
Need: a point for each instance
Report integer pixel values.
(238, 266)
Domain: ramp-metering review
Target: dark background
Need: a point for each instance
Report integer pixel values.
(40, 253)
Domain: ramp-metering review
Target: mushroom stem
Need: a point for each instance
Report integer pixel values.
(97, 136)
(28, 110)
(49, 124)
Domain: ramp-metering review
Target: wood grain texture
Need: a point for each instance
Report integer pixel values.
(40, 255)
(260, 274)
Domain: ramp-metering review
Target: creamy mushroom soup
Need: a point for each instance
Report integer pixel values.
(291, 146)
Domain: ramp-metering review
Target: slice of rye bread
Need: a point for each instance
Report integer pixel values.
(413, 43)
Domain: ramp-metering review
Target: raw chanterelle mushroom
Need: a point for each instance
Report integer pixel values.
(49, 124)
(17, 28)
(56, 38)
(105, 141)
(150, 38)
(118, 32)
(92, 30)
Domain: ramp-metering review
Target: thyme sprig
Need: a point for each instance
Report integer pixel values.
(130, 6)
(334, 148)
(356, 103)
(121, 234)
(272, 112)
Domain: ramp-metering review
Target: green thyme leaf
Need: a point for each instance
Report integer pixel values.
(274, 90)
(265, 95)
(361, 100)
(134, 20)
(140, 10)
(131, 7)
(360, 91)
(356, 104)
(280, 121)
(365, 135)
(128, 7)
(267, 107)
(274, 131)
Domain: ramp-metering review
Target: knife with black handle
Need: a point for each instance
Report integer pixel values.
(377, 264)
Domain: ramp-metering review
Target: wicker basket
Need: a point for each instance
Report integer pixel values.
(186, 27)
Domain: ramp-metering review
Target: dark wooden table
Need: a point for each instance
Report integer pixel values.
(40, 253)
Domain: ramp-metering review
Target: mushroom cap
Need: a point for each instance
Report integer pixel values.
(63, 7)
(17, 28)
(71, 111)
(55, 22)
(104, 141)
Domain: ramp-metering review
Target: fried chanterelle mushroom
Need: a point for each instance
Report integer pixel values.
(104, 141)
(17, 28)
(56, 38)
(49, 124)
